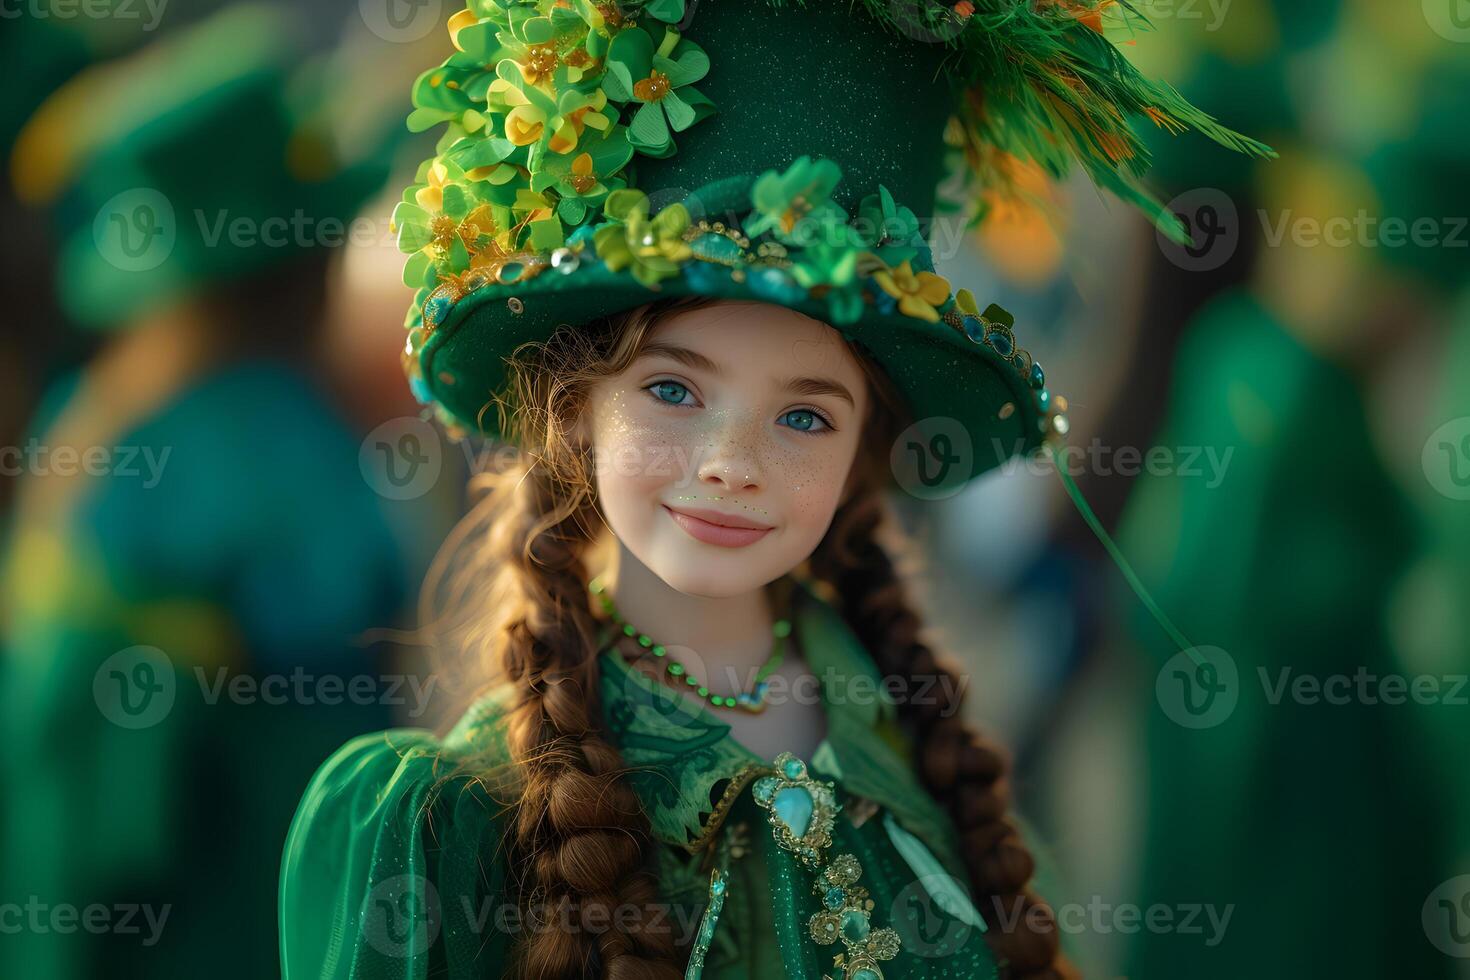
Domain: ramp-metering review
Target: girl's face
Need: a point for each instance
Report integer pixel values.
(739, 414)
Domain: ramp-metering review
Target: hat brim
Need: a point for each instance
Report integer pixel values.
(973, 408)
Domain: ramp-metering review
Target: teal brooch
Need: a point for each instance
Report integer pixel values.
(800, 809)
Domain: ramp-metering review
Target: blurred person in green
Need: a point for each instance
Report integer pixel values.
(44, 44)
(1422, 172)
(196, 549)
(39, 55)
(1288, 777)
(1431, 618)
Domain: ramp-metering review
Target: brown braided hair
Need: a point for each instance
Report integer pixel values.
(507, 597)
(964, 773)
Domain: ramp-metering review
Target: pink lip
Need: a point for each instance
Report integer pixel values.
(723, 535)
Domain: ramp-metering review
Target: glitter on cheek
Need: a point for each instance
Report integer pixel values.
(640, 446)
(808, 473)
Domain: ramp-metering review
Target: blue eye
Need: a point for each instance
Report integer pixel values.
(803, 420)
(670, 392)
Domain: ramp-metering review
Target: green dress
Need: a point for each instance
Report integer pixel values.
(394, 866)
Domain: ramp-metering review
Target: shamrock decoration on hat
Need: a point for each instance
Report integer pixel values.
(597, 156)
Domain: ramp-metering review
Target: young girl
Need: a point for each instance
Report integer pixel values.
(709, 740)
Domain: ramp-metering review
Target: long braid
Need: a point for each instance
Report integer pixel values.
(582, 840)
(965, 774)
(518, 600)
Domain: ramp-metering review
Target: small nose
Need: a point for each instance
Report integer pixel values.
(732, 454)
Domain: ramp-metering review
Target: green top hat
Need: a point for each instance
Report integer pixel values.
(208, 156)
(600, 156)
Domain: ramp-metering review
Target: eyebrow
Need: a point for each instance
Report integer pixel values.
(809, 386)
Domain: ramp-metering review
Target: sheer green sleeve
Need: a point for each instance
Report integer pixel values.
(393, 869)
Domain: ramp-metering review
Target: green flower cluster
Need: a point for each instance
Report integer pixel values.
(544, 104)
(830, 257)
(650, 248)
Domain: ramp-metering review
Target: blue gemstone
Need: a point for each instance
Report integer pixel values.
(715, 248)
(718, 887)
(975, 328)
(855, 925)
(795, 769)
(764, 787)
(794, 806)
(437, 309)
(776, 286)
(1038, 377)
(1001, 341)
(1044, 398)
(834, 897)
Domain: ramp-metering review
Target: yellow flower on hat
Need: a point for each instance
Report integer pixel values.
(530, 113)
(431, 197)
(918, 293)
(564, 140)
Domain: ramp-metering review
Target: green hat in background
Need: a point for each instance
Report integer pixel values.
(208, 156)
(601, 156)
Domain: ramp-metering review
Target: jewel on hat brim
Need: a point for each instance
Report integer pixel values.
(1001, 341)
(565, 261)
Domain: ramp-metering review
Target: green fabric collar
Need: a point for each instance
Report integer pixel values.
(678, 750)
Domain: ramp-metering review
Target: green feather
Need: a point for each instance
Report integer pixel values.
(1034, 81)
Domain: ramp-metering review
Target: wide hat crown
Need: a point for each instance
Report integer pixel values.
(822, 80)
(600, 156)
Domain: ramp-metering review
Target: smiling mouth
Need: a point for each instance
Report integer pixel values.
(720, 535)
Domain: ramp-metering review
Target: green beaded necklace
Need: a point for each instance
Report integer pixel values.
(753, 700)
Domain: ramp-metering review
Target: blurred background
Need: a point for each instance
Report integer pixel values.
(218, 497)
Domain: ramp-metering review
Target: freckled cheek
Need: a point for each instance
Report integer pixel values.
(636, 449)
(811, 479)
